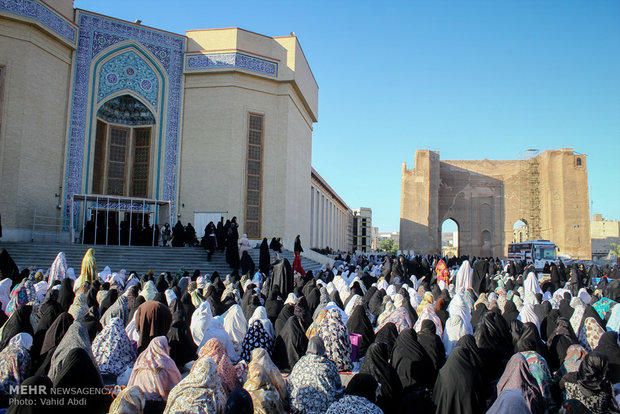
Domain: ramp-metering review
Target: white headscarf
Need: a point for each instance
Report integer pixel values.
(216, 330)
(58, 271)
(291, 299)
(149, 290)
(236, 325)
(41, 289)
(459, 308)
(22, 339)
(354, 301)
(200, 321)
(5, 291)
(527, 315)
(71, 273)
(531, 284)
(260, 314)
(170, 296)
(455, 330)
(464, 277)
(105, 273)
(584, 296)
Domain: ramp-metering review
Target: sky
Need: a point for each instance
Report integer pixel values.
(470, 79)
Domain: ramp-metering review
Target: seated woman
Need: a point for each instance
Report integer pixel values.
(376, 363)
(360, 397)
(79, 371)
(590, 385)
(265, 384)
(314, 383)
(214, 349)
(335, 336)
(200, 392)
(155, 372)
(15, 364)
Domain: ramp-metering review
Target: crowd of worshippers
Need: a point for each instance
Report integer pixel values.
(408, 335)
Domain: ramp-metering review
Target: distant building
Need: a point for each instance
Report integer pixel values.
(603, 233)
(374, 235)
(362, 224)
(450, 243)
(547, 191)
(331, 220)
(389, 235)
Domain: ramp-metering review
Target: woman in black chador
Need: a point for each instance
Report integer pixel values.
(190, 235)
(232, 248)
(178, 235)
(210, 239)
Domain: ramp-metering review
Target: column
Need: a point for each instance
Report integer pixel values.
(311, 216)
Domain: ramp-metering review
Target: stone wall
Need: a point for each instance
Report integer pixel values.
(485, 198)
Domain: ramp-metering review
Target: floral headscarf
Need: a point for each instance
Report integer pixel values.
(58, 271)
(540, 370)
(429, 313)
(200, 392)
(590, 334)
(14, 364)
(214, 349)
(335, 336)
(112, 348)
(256, 337)
(130, 400)
(22, 294)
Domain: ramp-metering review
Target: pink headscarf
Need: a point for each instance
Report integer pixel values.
(154, 371)
(214, 349)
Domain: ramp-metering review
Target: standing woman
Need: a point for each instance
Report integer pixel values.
(298, 248)
(232, 248)
(178, 235)
(211, 239)
(297, 260)
(221, 235)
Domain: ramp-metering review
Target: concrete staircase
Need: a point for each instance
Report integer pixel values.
(134, 258)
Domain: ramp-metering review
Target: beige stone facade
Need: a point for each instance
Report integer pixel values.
(549, 192)
(216, 105)
(36, 84)
(63, 70)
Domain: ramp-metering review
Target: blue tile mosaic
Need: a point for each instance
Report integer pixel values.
(231, 60)
(99, 36)
(128, 71)
(44, 15)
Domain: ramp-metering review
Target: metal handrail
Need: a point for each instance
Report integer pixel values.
(115, 204)
(36, 225)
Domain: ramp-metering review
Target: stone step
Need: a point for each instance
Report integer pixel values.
(134, 258)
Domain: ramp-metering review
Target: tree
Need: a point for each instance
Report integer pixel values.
(615, 249)
(388, 245)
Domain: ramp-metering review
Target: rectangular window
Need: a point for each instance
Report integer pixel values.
(117, 160)
(254, 176)
(141, 161)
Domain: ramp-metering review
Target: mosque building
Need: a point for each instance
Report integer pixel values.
(115, 123)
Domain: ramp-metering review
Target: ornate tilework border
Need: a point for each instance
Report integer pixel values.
(196, 62)
(98, 33)
(44, 15)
